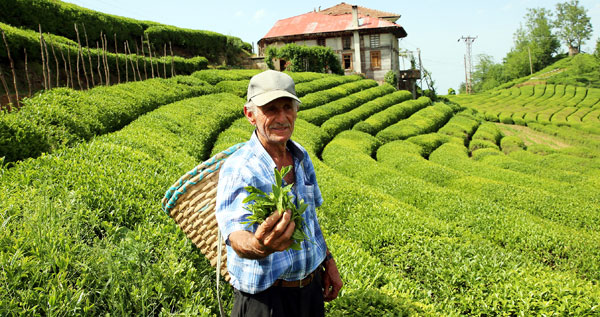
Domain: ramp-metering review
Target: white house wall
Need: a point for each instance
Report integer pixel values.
(388, 46)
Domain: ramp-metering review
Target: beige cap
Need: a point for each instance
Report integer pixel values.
(270, 85)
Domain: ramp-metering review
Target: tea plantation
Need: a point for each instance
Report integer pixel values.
(478, 205)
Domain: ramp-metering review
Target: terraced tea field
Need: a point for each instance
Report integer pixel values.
(431, 208)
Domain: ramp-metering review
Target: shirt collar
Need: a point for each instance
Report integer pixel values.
(262, 154)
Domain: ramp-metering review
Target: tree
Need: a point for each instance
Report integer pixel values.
(535, 45)
(573, 24)
(487, 74)
(391, 78)
(597, 50)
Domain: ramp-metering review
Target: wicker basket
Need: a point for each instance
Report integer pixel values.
(191, 202)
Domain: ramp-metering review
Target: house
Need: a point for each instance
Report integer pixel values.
(365, 39)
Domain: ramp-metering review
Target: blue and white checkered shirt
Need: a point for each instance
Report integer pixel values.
(251, 165)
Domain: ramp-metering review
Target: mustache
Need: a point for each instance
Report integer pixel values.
(280, 125)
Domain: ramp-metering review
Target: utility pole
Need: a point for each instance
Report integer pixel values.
(468, 64)
(530, 64)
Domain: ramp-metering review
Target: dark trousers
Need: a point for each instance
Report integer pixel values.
(281, 301)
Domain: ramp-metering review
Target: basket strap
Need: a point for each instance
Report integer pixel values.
(219, 250)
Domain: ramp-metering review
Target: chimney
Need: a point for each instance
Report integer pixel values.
(355, 16)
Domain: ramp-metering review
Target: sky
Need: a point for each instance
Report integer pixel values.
(434, 26)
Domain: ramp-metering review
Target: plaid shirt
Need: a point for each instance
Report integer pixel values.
(251, 165)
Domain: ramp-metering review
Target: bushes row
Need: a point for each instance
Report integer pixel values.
(391, 115)
(347, 120)
(322, 113)
(315, 99)
(426, 120)
(487, 136)
(305, 88)
(83, 232)
(64, 116)
(214, 76)
(462, 125)
(491, 245)
(59, 18)
(63, 56)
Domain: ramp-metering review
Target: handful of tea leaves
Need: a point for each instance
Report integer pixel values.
(278, 200)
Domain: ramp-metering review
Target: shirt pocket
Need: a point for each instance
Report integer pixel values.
(309, 197)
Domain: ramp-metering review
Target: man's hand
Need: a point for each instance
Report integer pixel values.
(274, 234)
(332, 282)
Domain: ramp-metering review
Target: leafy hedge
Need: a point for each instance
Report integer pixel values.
(305, 88)
(462, 125)
(83, 232)
(59, 18)
(212, 45)
(380, 120)
(322, 113)
(457, 251)
(64, 116)
(214, 76)
(19, 39)
(322, 97)
(426, 120)
(347, 120)
(305, 58)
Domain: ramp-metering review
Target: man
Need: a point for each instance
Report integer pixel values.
(269, 279)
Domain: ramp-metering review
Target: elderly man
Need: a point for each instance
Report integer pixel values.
(269, 278)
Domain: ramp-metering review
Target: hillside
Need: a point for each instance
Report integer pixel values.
(580, 70)
(71, 46)
(430, 208)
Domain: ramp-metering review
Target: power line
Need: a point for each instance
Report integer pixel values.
(468, 64)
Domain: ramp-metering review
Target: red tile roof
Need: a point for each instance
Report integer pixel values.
(344, 8)
(315, 22)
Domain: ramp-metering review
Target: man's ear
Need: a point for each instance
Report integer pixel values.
(250, 116)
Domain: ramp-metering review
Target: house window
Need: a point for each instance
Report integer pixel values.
(347, 61)
(375, 59)
(321, 42)
(374, 40)
(346, 42)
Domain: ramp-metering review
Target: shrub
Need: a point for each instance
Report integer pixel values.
(65, 116)
(391, 115)
(305, 59)
(391, 78)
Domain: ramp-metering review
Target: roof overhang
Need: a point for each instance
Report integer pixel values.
(398, 31)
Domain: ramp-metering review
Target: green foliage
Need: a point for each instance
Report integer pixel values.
(59, 17)
(426, 120)
(278, 200)
(20, 40)
(451, 91)
(511, 143)
(64, 116)
(391, 115)
(305, 88)
(214, 46)
(391, 78)
(419, 226)
(82, 232)
(322, 113)
(305, 59)
(322, 97)
(347, 120)
(573, 25)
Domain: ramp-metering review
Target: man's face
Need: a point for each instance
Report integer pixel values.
(274, 121)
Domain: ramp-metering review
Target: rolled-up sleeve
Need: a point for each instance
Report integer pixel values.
(230, 207)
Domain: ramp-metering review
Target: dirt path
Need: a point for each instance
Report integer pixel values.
(530, 136)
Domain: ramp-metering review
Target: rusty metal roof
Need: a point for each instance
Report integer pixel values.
(315, 22)
(344, 8)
